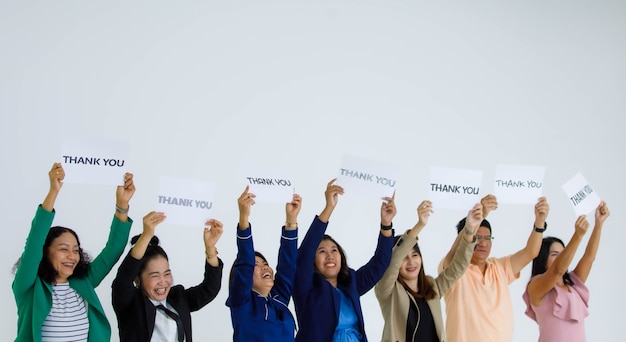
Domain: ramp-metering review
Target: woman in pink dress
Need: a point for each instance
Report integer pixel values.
(555, 298)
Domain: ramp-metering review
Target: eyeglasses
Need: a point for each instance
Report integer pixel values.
(487, 238)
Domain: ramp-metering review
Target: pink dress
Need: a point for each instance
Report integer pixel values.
(561, 315)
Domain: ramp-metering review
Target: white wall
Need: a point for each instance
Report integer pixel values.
(199, 88)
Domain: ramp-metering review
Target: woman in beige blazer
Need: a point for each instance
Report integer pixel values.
(410, 300)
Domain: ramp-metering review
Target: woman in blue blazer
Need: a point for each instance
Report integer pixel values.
(327, 292)
(258, 300)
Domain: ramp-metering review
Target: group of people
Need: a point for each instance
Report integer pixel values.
(55, 280)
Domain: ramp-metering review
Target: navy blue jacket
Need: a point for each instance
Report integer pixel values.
(254, 316)
(317, 301)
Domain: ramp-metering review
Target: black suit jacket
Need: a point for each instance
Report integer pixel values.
(136, 313)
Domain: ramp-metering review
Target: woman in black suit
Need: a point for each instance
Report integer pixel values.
(146, 304)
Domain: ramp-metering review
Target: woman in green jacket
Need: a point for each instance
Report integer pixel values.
(55, 281)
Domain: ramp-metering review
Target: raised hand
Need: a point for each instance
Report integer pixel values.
(332, 193)
(245, 201)
(423, 212)
(602, 212)
(582, 225)
(212, 232)
(125, 192)
(332, 196)
(474, 218)
(542, 208)
(292, 209)
(489, 203)
(56, 175)
(150, 221)
(388, 210)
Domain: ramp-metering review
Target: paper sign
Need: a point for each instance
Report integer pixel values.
(269, 183)
(518, 183)
(581, 195)
(94, 160)
(455, 188)
(185, 202)
(371, 179)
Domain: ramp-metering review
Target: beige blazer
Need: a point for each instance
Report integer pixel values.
(394, 300)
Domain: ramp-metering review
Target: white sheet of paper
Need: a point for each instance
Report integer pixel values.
(269, 183)
(185, 202)
(371, 179)
(454, 188)
(581, 195)
(95, 160)
(518, 183)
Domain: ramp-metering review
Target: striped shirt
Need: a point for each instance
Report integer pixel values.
(67, 320)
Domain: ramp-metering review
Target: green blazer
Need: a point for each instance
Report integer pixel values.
(33, 295)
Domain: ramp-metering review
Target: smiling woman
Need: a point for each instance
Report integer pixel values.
(146, 304)
(55, 282)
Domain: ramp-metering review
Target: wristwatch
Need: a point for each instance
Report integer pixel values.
(541, 230)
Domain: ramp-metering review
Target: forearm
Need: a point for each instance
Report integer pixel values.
(450, 255)
(139, 249)
(417, 228)
(48, 202)
(564, 259)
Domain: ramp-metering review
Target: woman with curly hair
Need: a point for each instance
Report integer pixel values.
(55, 281)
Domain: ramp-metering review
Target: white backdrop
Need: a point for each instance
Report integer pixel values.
(198, 88)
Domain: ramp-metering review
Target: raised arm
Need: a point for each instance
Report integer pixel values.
(213, 230)
(461, 259)
(387, 213)
(584, 265)
(312, 238)
(150, 221)
(384, 287)
(468, 231)
(288, 250)
(241, 282)
(122, 197)
(28, 264)
(525, 255)
(56, 175)
(332, 197)
(202, 294)
(118, 234)
(541, 284)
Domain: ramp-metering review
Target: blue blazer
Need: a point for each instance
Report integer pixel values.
(255, 317)
(317, 301)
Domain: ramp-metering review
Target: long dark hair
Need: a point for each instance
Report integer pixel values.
(344, 271)
(46, 271)
(424, 288)
(152, 252)
(539, 263)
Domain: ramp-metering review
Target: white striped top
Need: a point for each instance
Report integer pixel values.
(67, 320)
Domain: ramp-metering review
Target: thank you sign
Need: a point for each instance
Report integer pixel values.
(185, 202)
(269, 183)
(518, 183)
(94, 160)
(367, 178)
(455, 188)
(581, 195)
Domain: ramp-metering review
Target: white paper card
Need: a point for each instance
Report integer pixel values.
(94, 160)
(581, 195)
(269, 183)
(455, 188)
(368, 178)
(186, 202)
(518, 183)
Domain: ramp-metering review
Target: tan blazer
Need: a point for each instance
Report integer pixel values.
(394, 300)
